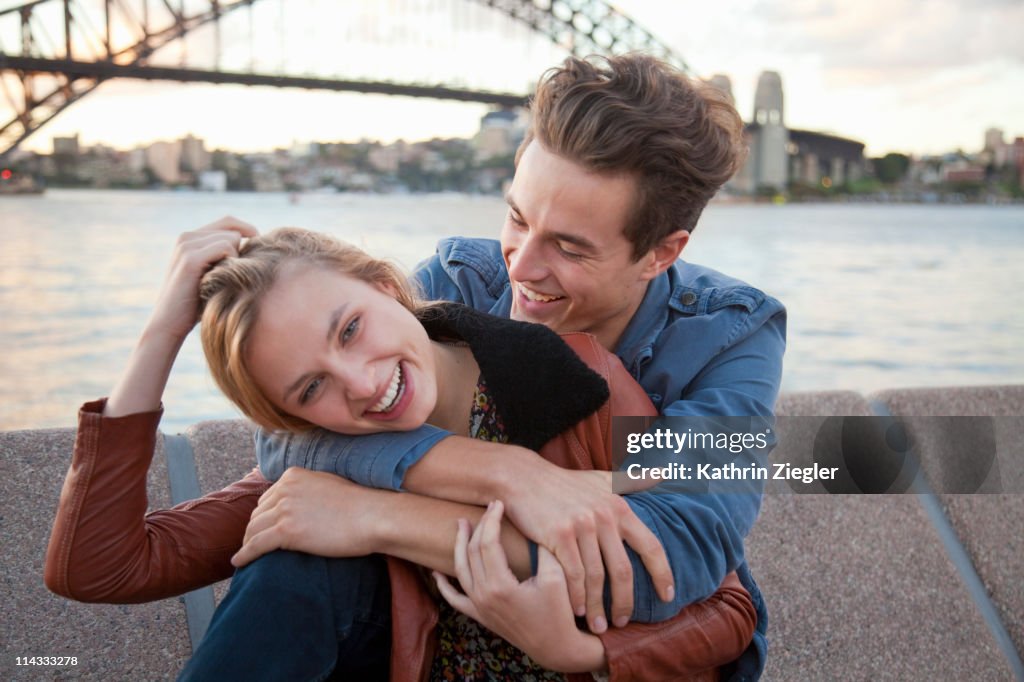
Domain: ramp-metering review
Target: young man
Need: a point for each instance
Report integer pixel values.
(617, 166)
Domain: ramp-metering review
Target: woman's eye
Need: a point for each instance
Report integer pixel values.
(310, 391)
(350, 330)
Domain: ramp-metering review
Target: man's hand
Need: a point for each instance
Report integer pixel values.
(316, 513)
(533, 615)
(576, 516)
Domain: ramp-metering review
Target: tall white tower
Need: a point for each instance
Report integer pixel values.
(769, 145)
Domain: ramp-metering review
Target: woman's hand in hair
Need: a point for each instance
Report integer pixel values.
(141, 387)
(534, 615)
(177, 308)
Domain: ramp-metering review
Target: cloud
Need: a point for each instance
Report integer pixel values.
(895, 40)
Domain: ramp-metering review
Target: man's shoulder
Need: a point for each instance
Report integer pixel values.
(465, 269)
(475, 252)
(699, 290)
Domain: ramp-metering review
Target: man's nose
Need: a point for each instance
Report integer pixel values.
(527, 261)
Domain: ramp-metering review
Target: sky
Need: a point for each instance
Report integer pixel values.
(898, 75)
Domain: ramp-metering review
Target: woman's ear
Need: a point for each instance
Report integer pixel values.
(388, 288)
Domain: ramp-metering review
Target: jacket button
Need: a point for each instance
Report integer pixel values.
(689, 298)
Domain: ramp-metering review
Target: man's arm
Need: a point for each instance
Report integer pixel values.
(703, 533)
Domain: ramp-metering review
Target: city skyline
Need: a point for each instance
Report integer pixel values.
(879, 72)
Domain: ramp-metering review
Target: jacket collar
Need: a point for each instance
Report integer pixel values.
(540, 386)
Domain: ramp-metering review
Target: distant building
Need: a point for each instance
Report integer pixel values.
(67, 146)
(386, 159)
(194, 157)
(213, 181)
(500, 134)
(768, 134)
(826, 160)
(778, 156)
(724, 84)
(1018, 157)
(995, 147)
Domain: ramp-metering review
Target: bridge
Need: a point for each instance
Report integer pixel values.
(55, 52)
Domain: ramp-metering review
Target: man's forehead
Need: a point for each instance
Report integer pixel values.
(581, 230)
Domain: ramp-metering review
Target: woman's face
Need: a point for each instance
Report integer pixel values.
(341, 353)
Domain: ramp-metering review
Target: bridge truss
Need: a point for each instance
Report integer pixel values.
(99, 40)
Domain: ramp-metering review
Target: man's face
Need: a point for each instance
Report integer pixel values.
(568, 260)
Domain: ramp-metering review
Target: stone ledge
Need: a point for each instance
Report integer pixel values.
(857, 587)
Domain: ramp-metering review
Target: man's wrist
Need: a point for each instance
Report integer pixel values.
(588, 655)
(510, 479)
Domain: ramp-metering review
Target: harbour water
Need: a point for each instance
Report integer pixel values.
(878, 296)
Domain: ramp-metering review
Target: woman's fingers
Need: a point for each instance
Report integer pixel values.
(493, 557)
(458, 601)
(230, 223)
(462, 568)
(476, 561)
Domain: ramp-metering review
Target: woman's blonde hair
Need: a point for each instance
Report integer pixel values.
(231, 292)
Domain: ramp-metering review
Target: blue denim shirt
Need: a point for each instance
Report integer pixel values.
(701, 344)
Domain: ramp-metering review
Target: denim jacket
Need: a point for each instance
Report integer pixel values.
(700, 344)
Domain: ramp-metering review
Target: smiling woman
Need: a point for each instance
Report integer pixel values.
(303, 330)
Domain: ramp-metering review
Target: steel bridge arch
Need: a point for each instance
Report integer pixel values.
(582, 27)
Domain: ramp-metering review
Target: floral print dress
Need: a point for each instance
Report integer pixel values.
(467, 650)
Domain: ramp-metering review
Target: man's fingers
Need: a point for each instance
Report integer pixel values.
(646, 544)
(594, 566)
(620, 575)
(568, 554)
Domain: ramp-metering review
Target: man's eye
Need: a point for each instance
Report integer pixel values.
(571, 255)
(310, 391)
(350, 330)
(516, 218)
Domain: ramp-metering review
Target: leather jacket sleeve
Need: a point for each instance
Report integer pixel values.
(105, 548)
(700, 637)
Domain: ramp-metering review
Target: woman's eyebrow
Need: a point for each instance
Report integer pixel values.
(335, 320)
(332, 326)
(294, 387)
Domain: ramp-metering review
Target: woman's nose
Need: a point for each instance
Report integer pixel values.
(358, 378)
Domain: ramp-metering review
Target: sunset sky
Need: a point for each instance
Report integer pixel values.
(899, 75)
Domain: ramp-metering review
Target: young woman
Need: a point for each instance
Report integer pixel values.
(302, 331)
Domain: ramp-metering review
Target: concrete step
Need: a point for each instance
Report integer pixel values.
(858, 586)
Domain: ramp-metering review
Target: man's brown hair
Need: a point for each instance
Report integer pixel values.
(681, 138)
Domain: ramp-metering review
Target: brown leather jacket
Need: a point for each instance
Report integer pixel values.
(105, 548)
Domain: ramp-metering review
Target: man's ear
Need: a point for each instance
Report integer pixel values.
(665, 253)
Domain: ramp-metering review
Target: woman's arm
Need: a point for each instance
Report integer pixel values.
(105, 548)
(175, 314)
(327, 515)
(102, 548)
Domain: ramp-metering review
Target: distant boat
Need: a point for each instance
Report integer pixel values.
(15, 183)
